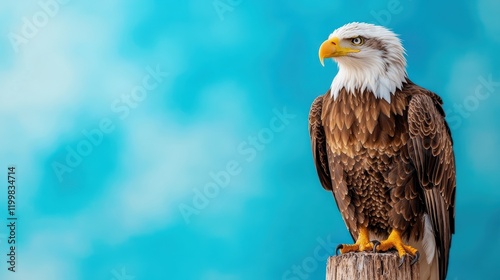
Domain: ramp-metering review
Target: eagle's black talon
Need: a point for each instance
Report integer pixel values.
(340, 246)
(375, 244)
(402, 261)
(415, 259)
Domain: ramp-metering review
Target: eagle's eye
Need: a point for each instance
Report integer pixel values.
(358, 41)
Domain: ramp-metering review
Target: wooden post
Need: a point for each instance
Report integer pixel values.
(370, 266)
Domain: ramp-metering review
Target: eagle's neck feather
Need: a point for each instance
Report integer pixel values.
(374, 75)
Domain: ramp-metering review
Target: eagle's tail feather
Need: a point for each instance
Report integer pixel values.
(429, 264)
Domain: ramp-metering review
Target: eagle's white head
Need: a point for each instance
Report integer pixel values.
(369, 57)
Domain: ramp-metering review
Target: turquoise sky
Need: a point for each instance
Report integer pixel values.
(168, 139)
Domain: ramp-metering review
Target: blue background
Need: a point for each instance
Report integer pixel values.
(117, 212)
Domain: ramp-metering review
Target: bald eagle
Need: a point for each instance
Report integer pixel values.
(382, 146)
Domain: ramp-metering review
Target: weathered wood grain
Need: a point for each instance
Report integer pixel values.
(370, 266)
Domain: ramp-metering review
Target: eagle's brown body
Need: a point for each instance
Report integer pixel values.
(387, 164)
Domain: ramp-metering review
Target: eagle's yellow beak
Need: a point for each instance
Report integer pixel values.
(332, 48)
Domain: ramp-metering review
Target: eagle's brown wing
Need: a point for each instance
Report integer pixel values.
(318, 143)
(331, 175)
(431, 151)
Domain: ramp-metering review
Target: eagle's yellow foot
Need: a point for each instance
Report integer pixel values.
(362, 243)
(394, 241)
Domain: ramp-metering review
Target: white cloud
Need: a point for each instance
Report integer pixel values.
(43, 89)
(37, 258)
(47, 87)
